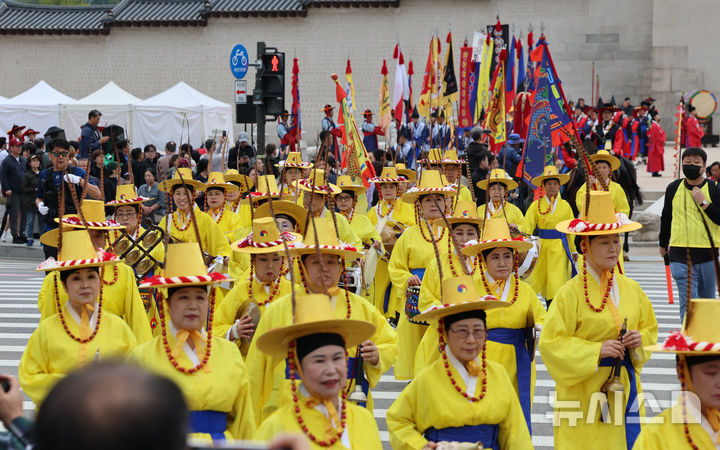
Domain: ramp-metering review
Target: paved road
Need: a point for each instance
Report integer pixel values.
(19, 316)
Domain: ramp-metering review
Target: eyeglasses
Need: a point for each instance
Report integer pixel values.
(63, 154)
(344, 197)
(463, 333)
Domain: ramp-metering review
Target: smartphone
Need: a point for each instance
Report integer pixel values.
(224, 133)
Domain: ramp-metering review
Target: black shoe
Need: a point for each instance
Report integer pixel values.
(17, 240)
(23, 239)
(36, 235)
(656, 174)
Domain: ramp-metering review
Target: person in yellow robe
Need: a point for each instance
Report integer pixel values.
(179, 223)
(409, 177)
(120, 290)
(391, 217)
(291, 171)
(253, 294)
(236, 199)
(208, 369)
(463, 396)
(289, 216)
(216, 192)
(580, 342)
(82, 330)
(693, 421)
(320, 260)
(511, 330)
(314, 341)
(555, 264)
(497, 186)
(451, 167)
(411, 256)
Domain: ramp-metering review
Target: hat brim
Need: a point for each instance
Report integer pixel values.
(385, 180)
(235, 246)
(409, 174)
(302, 165)
(168, 185)
(51, 264)
(411, 195)
(454, 220)
(106, 225)
(352, 188)
(128, 202)
(331, 189)
(657, 348)
(244, 180)
(563, 228)
(158, 281)
(561, 177)
(613, 161)
(228, 187)
(475, 249)
(510, 184)
(441, 311)
(289, 208)
(275, 342)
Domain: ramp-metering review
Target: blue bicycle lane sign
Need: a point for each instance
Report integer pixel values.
(239, 61)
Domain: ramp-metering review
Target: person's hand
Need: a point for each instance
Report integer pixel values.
(289, 441)
(377, 245)
(42, 209)
(104, 139)
(8, 193)
(612, 349)
(11, 401)
(430, 445)
(73, 179)
(147, 210)
(632, 339)
(698, 195)
(414, 281)
(513, 228)
(663, 251)
(242, 328)
(370, 353)
(592, 179)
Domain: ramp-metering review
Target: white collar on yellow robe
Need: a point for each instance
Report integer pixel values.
(190, 352)
(506, 290)
(554, 203)
(345, 438)
(490, 208)
(469, 380)
(614, 292)
(76, 317)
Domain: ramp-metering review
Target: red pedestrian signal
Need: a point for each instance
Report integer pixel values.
(274, 63)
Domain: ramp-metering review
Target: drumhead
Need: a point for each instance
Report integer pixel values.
(370, 267)
(704, 102)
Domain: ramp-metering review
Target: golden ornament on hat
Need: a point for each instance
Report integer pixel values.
(465, 212)
(497, 176)
(264, 238)
(217, 180)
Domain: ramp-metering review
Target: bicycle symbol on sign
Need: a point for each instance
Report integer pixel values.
(243, 58)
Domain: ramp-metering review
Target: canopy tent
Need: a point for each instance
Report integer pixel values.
(38, 108)
(111, 100)
(167, 116)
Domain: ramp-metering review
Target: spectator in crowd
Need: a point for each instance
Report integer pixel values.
(138, 166)
(239, 156)
(28, 149)
(21, 432)
(42, 151)
(480, 160)
(174, 163)
(98, 163)
(164, 163)
(111, 180)
(12, 171)
(90, 139)
(187, 152)
(3, 148)
(215, 148)
(714, 171)
(123, 152)
(151, 155)
(153, 208)
(272, 154)
(202, 176)
(29, 192)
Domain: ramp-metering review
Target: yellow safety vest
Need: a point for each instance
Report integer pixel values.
(686, 228)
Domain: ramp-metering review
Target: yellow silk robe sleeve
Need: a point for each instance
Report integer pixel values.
(213, 240)
(346, 232)
(360, 424)
(51, 354)
(666, 432)
(121, 298)
(364, 229)
(224, 388)
(431, 401)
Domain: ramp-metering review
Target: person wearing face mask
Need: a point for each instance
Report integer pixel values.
(690, 225)
(694, 420)
(580, 342)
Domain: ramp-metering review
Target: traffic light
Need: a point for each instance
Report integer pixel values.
(273, 82)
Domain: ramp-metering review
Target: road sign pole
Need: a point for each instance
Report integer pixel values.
(260, 105)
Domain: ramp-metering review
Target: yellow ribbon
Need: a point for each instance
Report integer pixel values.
(497, 286)
(198, 341)
(85, 331)
(473, 368)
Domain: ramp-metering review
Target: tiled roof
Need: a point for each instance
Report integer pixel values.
(156, 12)
(21, 18)
(257, 7)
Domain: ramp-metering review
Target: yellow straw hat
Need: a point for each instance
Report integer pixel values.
(601, 218)
(233, 176)
(77, 252)
(550, 172)
(187, 176)
(126, 195)
(286, 207)
(604, 155)
(431, 182)
(217, 180)
(328, 241)
(266, 183)
(316, 183)
(314, 314)
(700, 334)
(465, 212)
(388, 175)
(496, 234)
(346, 183)
(294, 160)
(434, 156)
(184, 266)
(498, 176)
(264, 238)
(409, 174)
(94, 214)
(451, 157)
(459, 295)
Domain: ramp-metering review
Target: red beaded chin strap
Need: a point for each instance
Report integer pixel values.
(420, 225)
(188, 220)
(473, 265)
(275, 284)
(682, 365)
(115, 277)
(585, 287)
(296, 407)
(222, 213)
(516, 258)
(549, 207)
(208, 343)
(446, 365)
(62, 316)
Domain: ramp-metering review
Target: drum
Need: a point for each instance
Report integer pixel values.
(529, 258)
(250, 309)
(412, 297)
(704, 102)
(370, 267)
(353, 275)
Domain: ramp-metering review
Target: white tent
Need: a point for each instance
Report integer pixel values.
(167, 116)
(37, 108)
(111, 100)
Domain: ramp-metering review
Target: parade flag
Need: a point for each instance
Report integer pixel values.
(384, 115)
(483, 87)
(349, 87)
(409, 102)
(431, 80)
(295, 121)
(530, 69)
(400, 88)
(355, 159)
(467, 69)
(450, 87)
(510, 77)
(521, 67)
(562, 124)
(495, 117)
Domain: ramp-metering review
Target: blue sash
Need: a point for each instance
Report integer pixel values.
(632, 430)
(351, 377)
(210, 422)
(486, 433)
(516, 338)
(551, 233)
(386, 300)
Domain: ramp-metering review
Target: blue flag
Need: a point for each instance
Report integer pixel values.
(521, 68)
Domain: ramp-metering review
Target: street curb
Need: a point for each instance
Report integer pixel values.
(21, 251)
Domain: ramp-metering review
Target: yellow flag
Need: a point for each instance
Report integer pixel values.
(350, 88)
(495, 117)
(384, 116)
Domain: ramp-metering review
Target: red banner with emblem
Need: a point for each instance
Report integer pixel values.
(466, 67)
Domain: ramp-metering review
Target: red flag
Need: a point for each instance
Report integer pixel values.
(466, 69)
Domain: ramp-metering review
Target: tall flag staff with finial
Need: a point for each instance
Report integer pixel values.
(295, 122)
(349, 87)
(400, 88)
(409, 102)
(384, 116)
